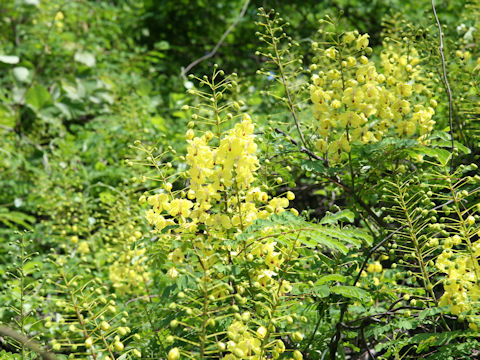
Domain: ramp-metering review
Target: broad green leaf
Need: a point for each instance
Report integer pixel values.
(159, 122)
(9, 59)
(162, 45)
(322, 291)
(38, 97)
(351, 292)
(441, 155)
(459, 146)
(21, 73)
(85, 58)
(330, 277)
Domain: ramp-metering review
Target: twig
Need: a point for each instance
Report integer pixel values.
(336, 338)
(291, 105)
(30, 343)
(219, 43)
(338, 182)
(364, 338)
(445, 79)
(6, 128)
(303, 148)
(148, 297)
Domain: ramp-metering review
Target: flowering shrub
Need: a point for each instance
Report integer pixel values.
(331, 214)
(353, 102)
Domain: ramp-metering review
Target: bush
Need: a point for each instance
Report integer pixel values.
(327, 207)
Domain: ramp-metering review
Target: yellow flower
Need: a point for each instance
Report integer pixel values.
(190, 134)
(297, 355)
(351, 61)
(348, 37)
(273, 260)
(331, 53)
(172, 273)
(180, 207)
(404, 90)
(59, 16)
(352, 97)
(83, 247)
(261, 332)
(290, 195)
(176, 256)
(401, 108)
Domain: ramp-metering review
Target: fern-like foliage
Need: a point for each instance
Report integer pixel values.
(435, 243)
(284, 66)
(23, 283)
(86, 319)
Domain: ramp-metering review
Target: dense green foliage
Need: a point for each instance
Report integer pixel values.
(307, 201)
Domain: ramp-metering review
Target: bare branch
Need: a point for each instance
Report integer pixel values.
(219, 43)
(445, 79)
(30, 343)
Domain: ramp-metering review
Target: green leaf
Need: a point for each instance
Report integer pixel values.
(459, 146)
(38, 97)
(15, 218)
(85, 58)
(284, 219)
(107, 197)
(432, 312)
(162, 45)
(319, 168)
(30, 266)
(320, 239)
(384, 146)
(334, 218)
(330, 277)
(21, 73)
(439, 338)
(441, 155)
(323, 291)
(9, 59)
(159, 122)
(355, 237)
(351, 292)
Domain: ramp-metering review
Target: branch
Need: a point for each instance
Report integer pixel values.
(30, 343)
(219, 43)
(447, 85)
(6, 128)
(303, 148)
(338, 182)
(336, 337)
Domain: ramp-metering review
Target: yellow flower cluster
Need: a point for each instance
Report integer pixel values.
(354, 102)
(222, 195)
(200, 223)
(129, 271)
(242, 343)
(462, 286)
